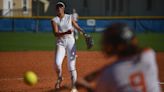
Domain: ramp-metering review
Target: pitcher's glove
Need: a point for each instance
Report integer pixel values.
(89, 41)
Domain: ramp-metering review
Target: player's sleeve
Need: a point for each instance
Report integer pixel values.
(150, 58)
(54, 20)
(106, 82)
(72, 16)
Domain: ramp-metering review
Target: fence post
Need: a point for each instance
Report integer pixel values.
(37, 20)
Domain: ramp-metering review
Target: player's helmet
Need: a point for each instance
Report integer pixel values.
(118, 39)
(118, 33)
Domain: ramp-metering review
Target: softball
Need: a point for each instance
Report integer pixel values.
(30, 78)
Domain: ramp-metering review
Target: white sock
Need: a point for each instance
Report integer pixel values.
(59, 73)
(74, 77)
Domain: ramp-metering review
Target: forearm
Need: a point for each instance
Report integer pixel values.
(81, 31)
(57, 34)
(78, 27)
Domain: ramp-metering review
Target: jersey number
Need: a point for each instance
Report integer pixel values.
(137, 81)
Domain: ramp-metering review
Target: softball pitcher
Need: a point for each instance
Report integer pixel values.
(62, 26)
(134, 70)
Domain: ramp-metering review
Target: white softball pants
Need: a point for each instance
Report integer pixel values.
(66, 45)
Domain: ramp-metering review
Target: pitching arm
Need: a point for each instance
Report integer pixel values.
(88, 39)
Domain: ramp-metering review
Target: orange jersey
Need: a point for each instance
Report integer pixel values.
(138, 73)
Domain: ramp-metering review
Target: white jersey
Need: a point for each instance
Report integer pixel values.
(64, 24)
(136, 74)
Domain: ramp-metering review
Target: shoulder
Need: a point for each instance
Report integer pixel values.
(68, 15)
(148, 52)
(54, 19)
(148, 57)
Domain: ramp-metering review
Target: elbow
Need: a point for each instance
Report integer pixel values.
(55, 33)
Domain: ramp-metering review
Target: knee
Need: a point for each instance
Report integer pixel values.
(72, 68)
(58, 66)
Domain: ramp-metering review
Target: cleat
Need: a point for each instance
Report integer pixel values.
(74, 90)
(58, 83)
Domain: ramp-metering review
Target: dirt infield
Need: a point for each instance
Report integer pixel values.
(14, 64)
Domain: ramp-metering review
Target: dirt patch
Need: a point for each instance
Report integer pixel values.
(14, 64)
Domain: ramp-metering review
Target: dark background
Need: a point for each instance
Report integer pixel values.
(104, 7)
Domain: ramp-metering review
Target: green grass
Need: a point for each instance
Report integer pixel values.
(24, 41)
(153, 40)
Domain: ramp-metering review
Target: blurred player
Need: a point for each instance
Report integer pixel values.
(75, 17)
(134, 70)
(62, 26)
